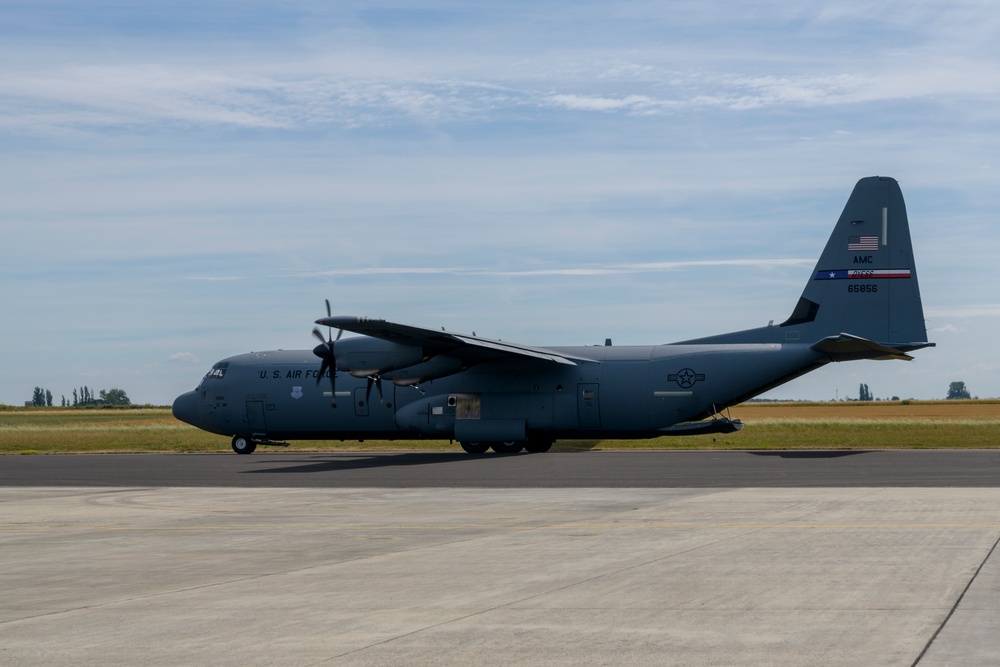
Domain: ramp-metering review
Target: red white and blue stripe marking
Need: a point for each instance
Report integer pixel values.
(862, 274)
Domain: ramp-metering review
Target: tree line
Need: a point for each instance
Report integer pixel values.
(82, 398)
(955, 390)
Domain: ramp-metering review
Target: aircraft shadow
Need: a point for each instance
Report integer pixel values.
(319, 463)
(341, 462)
(811, 454)
(352, 461)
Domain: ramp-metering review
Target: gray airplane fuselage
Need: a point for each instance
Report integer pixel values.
(624, 392)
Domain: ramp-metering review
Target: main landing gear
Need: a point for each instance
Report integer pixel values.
(243, 445)
(534, 446)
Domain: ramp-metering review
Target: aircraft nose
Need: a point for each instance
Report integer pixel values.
(186, 408)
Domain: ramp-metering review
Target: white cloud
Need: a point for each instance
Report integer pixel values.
(597, 270)
(585, 103)
(297, 94)
(947, 328)
(183, 358)
(970, 310)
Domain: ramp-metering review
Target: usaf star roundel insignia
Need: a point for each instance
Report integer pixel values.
(685, 378)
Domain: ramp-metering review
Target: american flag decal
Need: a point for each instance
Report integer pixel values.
(862, 243)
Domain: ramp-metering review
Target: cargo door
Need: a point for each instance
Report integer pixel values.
(255, 417)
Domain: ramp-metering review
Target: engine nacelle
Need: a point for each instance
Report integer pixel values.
(362, 357)
(435, 368)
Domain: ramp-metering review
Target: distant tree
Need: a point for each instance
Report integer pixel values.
(38, 398)
(64, 400)
(115, 397)
(863, 393)
(86, 397)
(48, 398)
(958, 390)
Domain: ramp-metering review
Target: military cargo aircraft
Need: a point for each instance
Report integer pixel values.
(396, 381)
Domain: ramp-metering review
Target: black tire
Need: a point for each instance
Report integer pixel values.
(475, 447)
(243, 444)
(507, 447)
(538, 446)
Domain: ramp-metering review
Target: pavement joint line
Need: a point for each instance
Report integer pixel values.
(227, 582)
(954, 607)
(15, 527)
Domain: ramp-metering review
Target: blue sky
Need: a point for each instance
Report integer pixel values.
(180, 182)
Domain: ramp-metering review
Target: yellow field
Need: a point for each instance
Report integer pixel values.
(908, 410)
(877, 425)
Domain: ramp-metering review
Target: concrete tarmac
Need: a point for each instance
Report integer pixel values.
(166, 575)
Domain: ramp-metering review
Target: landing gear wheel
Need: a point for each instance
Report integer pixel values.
(507, 447)
(475, 447)
(538, 446)
(243, 444)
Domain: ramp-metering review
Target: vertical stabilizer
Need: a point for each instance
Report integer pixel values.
(865, 282)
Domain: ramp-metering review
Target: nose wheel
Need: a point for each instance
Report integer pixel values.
(243, 445)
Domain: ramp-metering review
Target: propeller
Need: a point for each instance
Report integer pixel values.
(377, 381)
(329, 362)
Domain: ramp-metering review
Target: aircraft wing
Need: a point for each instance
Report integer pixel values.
(436, 343)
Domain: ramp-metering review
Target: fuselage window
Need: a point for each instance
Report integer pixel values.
(218, 371)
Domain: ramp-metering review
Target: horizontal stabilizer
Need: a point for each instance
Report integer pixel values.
(721, 425)
(846, 347)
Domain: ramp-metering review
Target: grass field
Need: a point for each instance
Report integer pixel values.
(878, 425)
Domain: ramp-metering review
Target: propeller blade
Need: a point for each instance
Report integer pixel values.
(328, 360)
(377, 381)
(333, 387)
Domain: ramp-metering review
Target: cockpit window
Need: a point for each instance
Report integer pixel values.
(218, 371)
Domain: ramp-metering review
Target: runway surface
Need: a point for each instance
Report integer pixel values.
(643, 469)
(637, 558)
